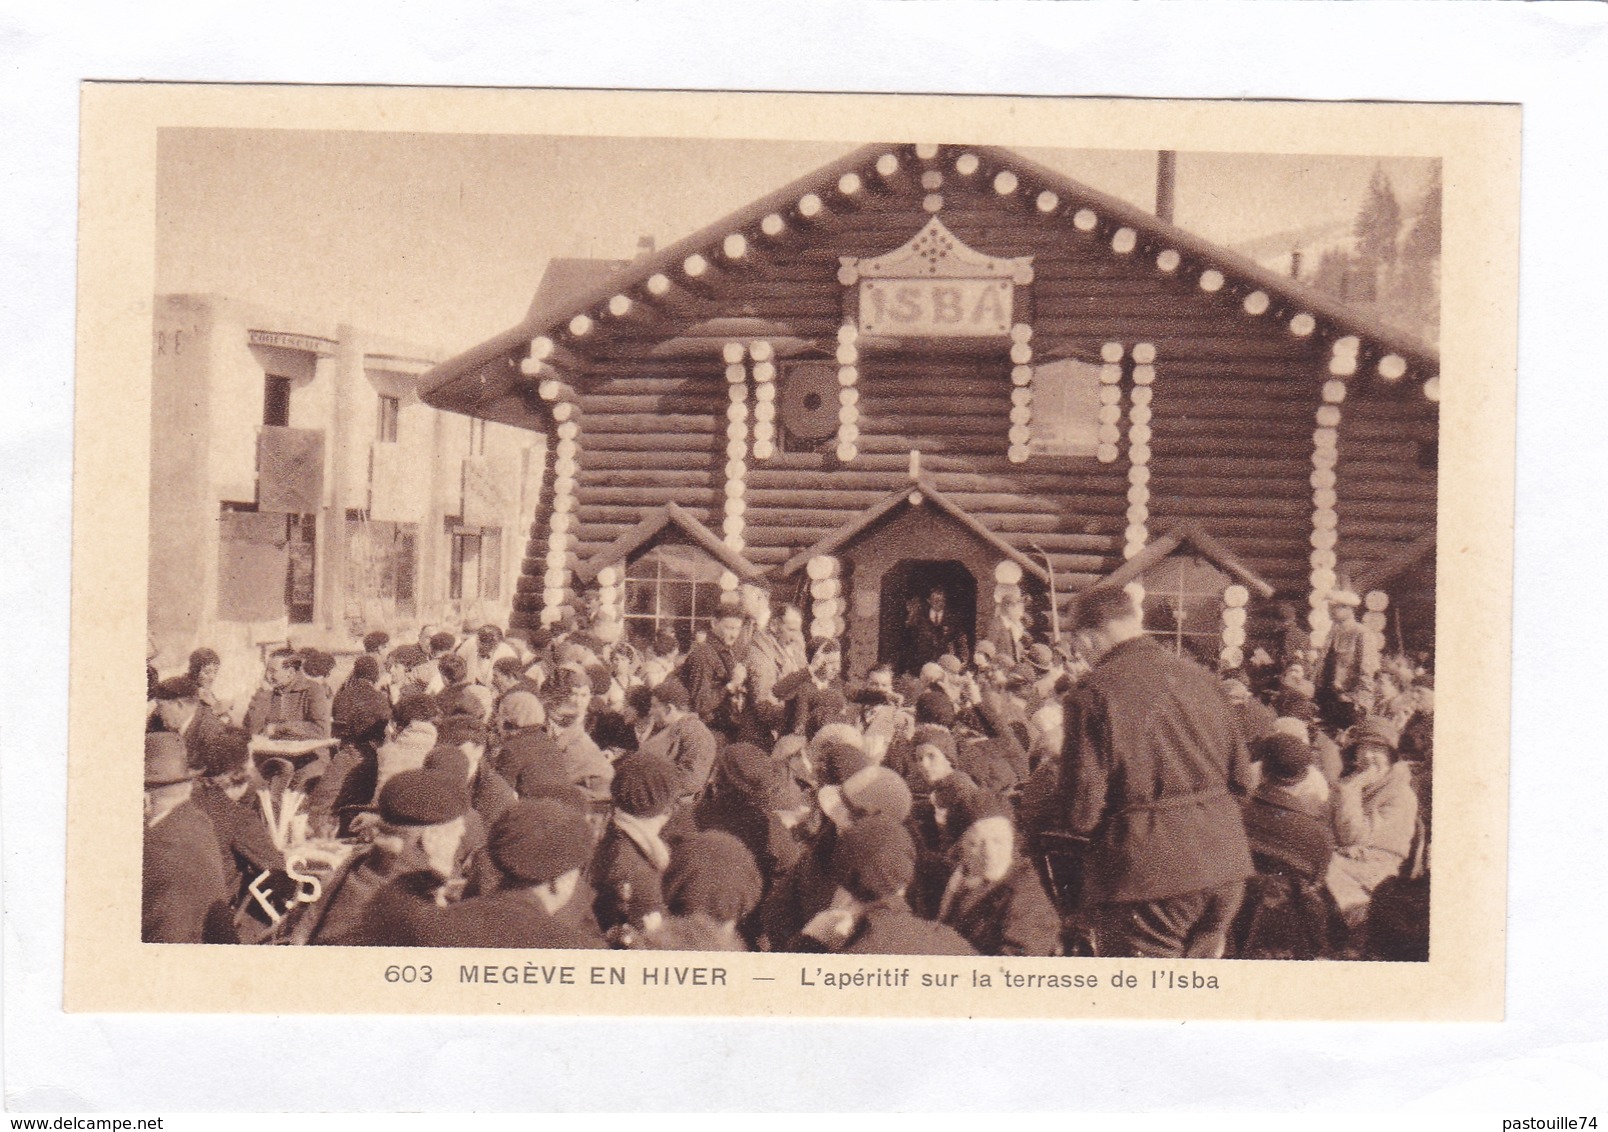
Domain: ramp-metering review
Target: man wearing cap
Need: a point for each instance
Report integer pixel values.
(246, 848)
(540, 846)
(680, 736)
(1346, 662)
(414, 850)
(1375, 816)
(411, 672)
(1154, 759)
(289, 705)
(182, 898)
(714, 673)
(994, 897)
(873, 864)
(628, 869)
(179, 709)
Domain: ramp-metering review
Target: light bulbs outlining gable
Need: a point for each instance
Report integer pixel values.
(929, 170)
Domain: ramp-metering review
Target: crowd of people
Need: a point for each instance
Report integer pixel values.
(569, 788)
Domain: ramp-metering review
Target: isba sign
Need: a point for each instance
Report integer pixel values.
(974, 308)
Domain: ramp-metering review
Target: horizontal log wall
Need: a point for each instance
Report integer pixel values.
(1233, 410)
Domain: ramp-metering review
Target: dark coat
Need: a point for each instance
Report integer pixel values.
(347, 784)
(690, 747)
(629, 887)
(706, 673)
(1014, 917)
(340, 916)
(1290, 831)
(1153, 760)
(245, 847)
(183, 899)
(405, 914)
(200, 734)
(802, 891)
(889, 927)
(357, 708)
(299, 710)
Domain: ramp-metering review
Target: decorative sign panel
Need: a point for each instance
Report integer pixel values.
(935, 286)
(940, 308)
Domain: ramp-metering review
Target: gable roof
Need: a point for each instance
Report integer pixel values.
(670, 516)
(1193, 535)
(1380, 574)
(481, 375)
(894, 501)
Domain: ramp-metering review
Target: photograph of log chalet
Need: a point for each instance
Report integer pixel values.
(947, 367)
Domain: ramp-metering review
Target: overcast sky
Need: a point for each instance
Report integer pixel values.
(441, 239)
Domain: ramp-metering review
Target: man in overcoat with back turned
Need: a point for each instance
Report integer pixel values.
(1154, 761)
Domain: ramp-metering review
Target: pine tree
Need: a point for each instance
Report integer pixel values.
(1378, 230)
(1418, 286)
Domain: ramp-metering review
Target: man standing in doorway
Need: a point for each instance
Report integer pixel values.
(1154, 757)
(933, 633)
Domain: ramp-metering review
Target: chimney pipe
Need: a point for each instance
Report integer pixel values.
(1166, 170)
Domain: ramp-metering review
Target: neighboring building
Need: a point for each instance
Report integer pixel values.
(300, 490)
(949, 367)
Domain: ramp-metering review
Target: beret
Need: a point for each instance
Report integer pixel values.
(422, 797)
(714, 873)
(540, 839)
(178, 688)
(932, 706)
(874, 859)
(645, 785)
(225, 751)
(673, 692)
(409, 656)
(1285, 757)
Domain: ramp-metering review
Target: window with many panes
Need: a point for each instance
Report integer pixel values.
(673, 588)
(1184, 606)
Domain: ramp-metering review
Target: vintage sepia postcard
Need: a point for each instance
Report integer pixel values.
(632, 553)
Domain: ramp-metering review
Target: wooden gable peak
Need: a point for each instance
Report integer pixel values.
(1380, 574)
(646, 534)
(1194, 537)
(918, 491)
(936, 252)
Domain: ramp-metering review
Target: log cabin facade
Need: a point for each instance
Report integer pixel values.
(950, 367)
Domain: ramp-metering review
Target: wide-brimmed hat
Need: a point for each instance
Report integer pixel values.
(167, 760)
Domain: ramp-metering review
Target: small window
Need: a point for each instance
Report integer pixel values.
(276, 401)
(672, 588)
(475, 570)
(390, 411)
(1184, 606)
(1066, 408)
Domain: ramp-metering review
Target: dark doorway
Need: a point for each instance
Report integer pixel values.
(906, 587)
